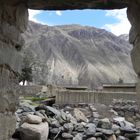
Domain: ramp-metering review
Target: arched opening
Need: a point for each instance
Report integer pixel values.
(75, 31)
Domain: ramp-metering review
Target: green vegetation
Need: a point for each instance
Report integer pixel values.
(35, 99)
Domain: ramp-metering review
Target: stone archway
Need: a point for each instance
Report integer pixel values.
(13, 21)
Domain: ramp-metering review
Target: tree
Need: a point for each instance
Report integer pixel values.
(33, 69)
(120, 81)
(26, 72)
(26, 75)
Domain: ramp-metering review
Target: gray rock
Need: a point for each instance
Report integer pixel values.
(63, 115)
(131, 135)
(19, 111)
(54, 130)
(98, 134)
(104, 123)
(17, 117)
(61, 128)
(79, 127)
(68, 108)
(34, 131)
(118, 132)
(125, 125)
(105, 131)
(68, 127)
(92, 138)
(74, 133)
(91, 129)
(79, 115)
(26, 108)
(128, 129)
(67, 136)
(99, 138)
(113, 137)
(122, 138)
(37, 113)
(24, 114)
(71, 119)
(60, 120)
(55, 123)
(78, 137)
(33, 119)
(92, 108)
(95, 115)
(53, 110)
(115, 127)
(138, 138)
(42, 112)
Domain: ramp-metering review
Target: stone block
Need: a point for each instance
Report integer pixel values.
(34, 131)
(33, 119)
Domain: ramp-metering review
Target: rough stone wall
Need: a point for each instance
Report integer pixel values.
(133, 13)
(75, 97)
(13, 21)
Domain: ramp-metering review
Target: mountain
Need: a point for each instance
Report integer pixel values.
(78, 55)
(124, 37)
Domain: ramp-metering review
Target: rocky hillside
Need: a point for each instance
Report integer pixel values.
(78, 55)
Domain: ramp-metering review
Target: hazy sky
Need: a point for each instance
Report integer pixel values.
(114, 21)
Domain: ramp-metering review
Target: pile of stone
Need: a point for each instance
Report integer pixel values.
(70, 123)
(127, 109)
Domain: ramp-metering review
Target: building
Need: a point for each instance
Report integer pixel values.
(75, 88)
(120, 87)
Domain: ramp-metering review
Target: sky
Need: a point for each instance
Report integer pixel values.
(114, 21)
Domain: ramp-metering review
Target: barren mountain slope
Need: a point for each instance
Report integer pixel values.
(79, 55)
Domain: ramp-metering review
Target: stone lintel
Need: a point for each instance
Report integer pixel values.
(70, 4)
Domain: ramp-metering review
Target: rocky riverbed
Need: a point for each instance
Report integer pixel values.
(77, 122)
